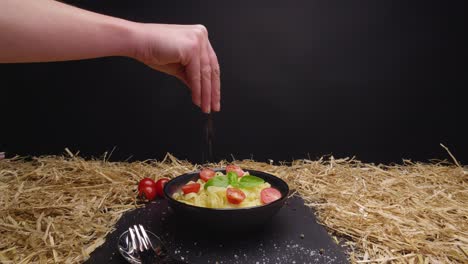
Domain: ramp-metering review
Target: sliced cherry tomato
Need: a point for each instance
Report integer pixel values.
(146, 182)
(191, 187)
(160, 186)
(235, 196)
(269, 195)
(147, 192)
(235, 169)
(207, 174)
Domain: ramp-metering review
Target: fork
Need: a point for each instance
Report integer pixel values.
(142, 244)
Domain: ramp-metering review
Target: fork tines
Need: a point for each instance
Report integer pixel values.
(140, 239)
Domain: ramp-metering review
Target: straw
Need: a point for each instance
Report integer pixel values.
(60, 209)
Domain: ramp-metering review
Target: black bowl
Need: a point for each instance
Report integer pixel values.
(227, 219)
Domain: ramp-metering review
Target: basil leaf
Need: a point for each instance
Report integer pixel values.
(219, 181)
(233, 179)
(249, 181)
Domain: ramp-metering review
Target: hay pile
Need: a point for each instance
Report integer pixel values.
(56, 209)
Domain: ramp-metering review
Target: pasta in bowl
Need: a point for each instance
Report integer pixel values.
(226, 191)
(227, 197)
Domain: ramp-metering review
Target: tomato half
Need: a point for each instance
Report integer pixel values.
(269, 195)
(207, 174)
(147, 192)
(160, 186)
(235, 196)
(236, 169)
(191, 187)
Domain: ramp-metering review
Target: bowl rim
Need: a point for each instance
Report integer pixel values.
(282, 199)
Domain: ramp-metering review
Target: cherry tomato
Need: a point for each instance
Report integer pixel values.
(207, 174)
(235, 169)
(146, 182)
(235, 196)
(191, 187)
(160, 186)
(147, 192)
(269, 195)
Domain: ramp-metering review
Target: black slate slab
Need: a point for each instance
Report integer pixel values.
(292, 236)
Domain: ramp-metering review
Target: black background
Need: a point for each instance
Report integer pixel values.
(382, 80)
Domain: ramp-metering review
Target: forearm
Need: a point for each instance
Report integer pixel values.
(46, 30)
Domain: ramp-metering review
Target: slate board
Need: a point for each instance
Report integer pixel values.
(279, 241)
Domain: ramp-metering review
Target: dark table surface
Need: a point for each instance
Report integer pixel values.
(292, 236)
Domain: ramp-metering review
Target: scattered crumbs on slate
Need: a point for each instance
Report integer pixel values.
(290, 248)
(302, 236)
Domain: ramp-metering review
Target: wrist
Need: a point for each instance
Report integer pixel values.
(138, 45)
(126, 38)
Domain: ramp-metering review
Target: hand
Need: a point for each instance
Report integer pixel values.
(185, 52)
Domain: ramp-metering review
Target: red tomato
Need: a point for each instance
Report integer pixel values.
(235, 169)
(146, 182)
(191, 187)
(207, 174)
(235, 196)
(269, 195)
(147, 192)
(160, 186)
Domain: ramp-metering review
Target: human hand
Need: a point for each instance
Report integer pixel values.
(185, 52)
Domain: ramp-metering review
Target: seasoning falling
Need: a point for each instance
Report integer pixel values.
(208, 138)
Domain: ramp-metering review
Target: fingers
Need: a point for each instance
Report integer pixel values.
(205, 78)
(215, 80)
(193, 77)
(202, 73)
